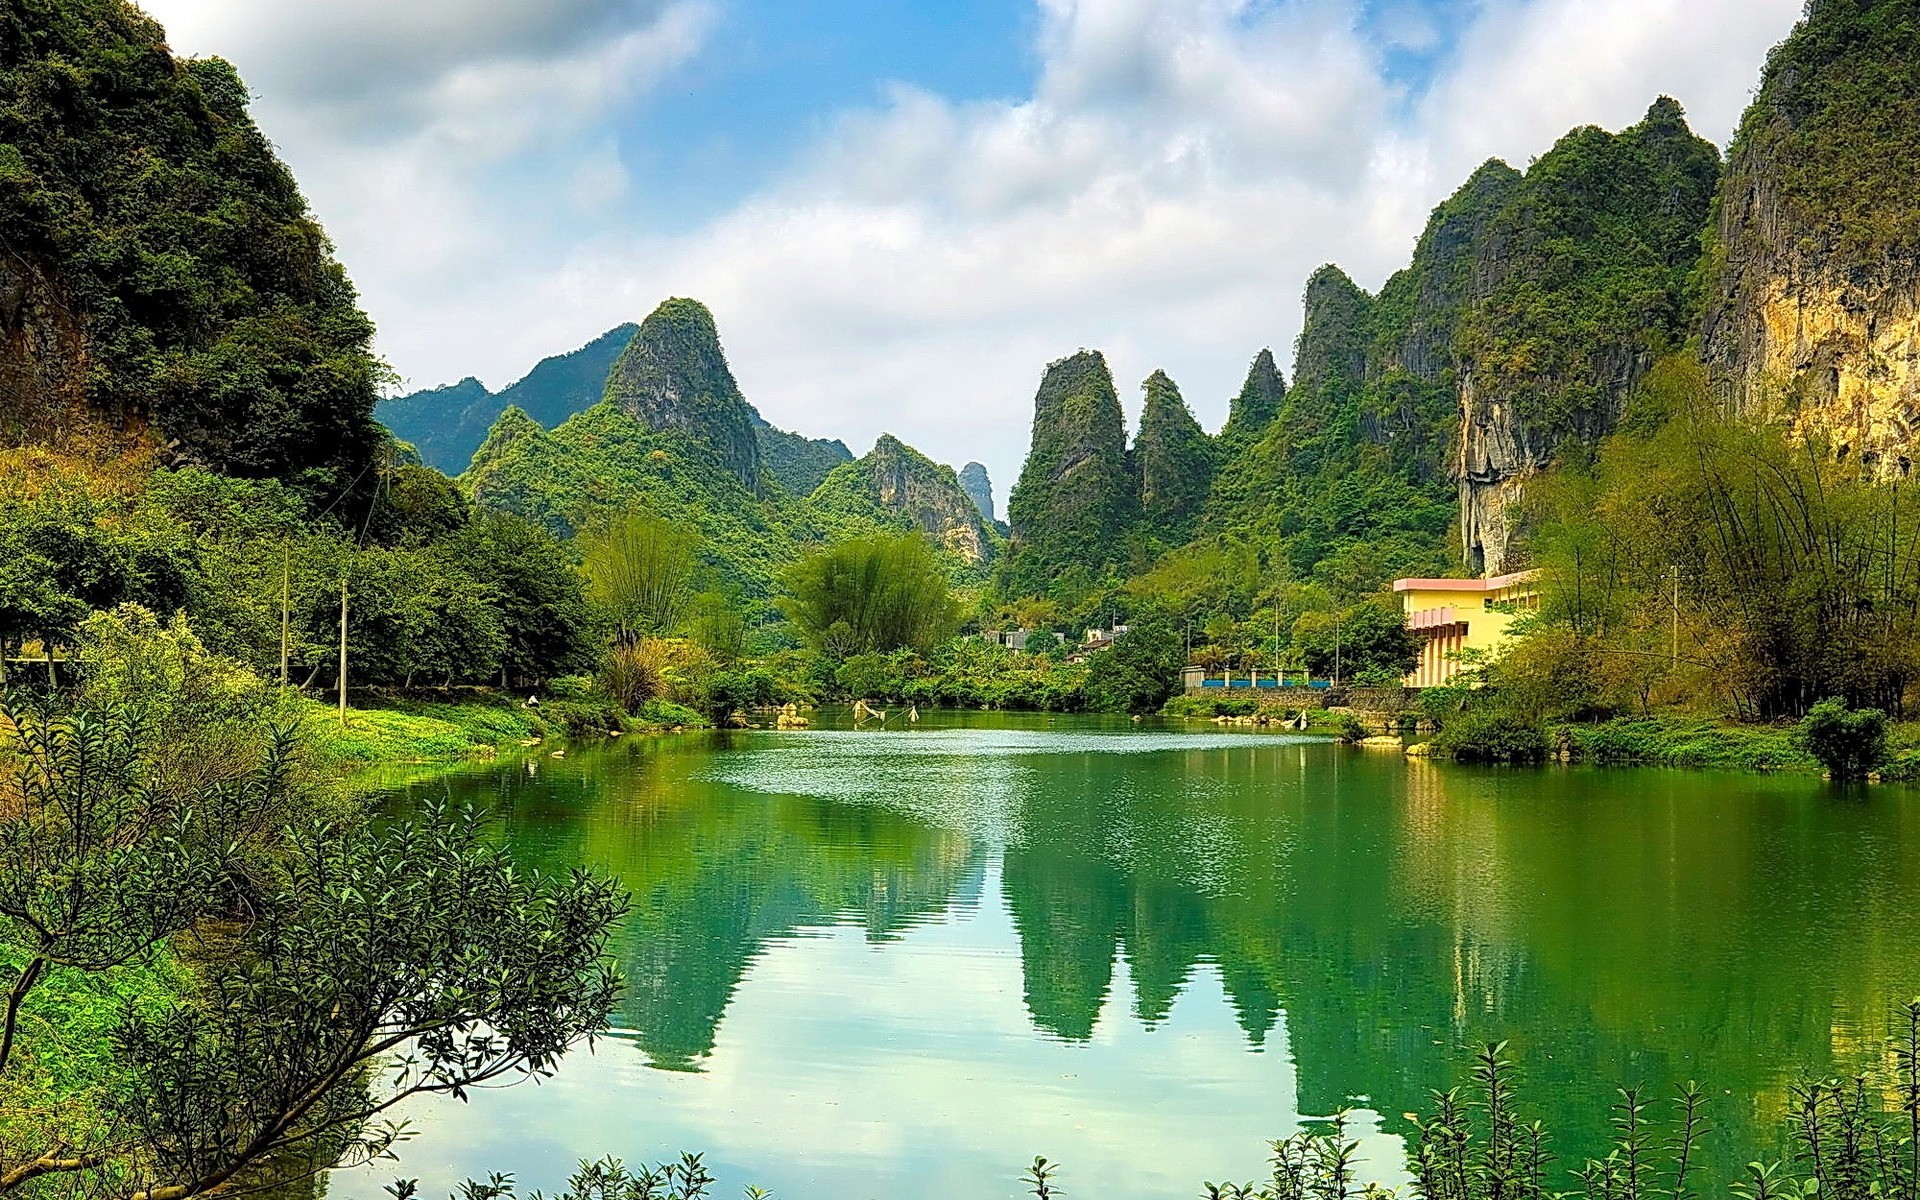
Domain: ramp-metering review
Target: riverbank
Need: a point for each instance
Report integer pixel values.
(388, 730)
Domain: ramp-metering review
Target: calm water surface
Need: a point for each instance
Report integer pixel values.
(871, 963)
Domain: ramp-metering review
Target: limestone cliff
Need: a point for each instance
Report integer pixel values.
(979, 489)
(1077, 500)
(900, 481)
(1813, 310)
(1257, 404)
(1174, 459)
(1579, 282)
(674, 377)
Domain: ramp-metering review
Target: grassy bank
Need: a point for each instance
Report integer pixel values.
(402, 731)
(1683, 742)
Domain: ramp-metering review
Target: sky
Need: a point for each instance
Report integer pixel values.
(901, 210)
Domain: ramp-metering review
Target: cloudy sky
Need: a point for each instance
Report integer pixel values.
(900, 210)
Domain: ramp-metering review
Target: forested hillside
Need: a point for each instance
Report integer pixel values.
(164, 280)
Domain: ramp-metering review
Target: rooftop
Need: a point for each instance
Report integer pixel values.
(1497, 583)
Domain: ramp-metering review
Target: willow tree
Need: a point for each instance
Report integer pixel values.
(871, 595)
(641, 570)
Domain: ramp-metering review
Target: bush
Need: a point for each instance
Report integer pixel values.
(1492, 736)
(1850, 743)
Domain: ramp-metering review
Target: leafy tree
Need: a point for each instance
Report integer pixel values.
(545, 620)
(640, 570)
(871, 595)
(1139, 672)
(303, 971)
(1370, 637)
(1849, 742)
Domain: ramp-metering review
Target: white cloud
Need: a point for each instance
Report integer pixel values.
(1179, 169)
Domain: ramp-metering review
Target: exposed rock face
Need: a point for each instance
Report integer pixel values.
(979, 489)
(902, 480)
(1257, 404)
(1814, 311)
(674, 377)
(799, 463)
(1077, 499)
(1579, 283)
(1174, 458)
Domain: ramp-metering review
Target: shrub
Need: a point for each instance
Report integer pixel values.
(1492, 736)
(1848, 742)
(632, 676)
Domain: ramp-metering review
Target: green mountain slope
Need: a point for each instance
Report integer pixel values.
(896, 484)
(1174, 459)
(447, 424)
(797, 462)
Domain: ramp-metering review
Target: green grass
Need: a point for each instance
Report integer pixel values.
(410, 732)
(1686, 742)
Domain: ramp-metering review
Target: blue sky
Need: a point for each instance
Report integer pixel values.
(901, 210)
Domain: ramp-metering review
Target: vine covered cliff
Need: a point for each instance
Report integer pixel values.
(1077, 500)
(1813, 307)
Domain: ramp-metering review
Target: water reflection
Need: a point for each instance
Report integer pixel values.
(1359, 918)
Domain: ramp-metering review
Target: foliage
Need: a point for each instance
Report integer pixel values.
(1077, 500)
(1679, 741)
(1174, 458)
(1257, 404)
(1849, 742)
(633, 674)
(797, 463)
(874, 594)
(1487, 734)
(402, 730)
(279, 951)
(1731, 562)
(1370, 638)
(640, 570)
(167, 260)
(1138, 672)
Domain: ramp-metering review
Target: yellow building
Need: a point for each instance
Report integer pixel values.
(1452, 616)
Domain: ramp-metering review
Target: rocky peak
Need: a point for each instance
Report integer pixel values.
(1077, 498)
(902, 480)
(1174, 458)
(674, 377)
(1333, 339)
(979, 489)
(1258, 402)
(1813, 310)
(1419, 309)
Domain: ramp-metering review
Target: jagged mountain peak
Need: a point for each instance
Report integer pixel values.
(674, 377)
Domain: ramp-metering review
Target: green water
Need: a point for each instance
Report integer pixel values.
(905, 963)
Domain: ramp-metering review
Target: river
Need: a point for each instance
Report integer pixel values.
(864, 964)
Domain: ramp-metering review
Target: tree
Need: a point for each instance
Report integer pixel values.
(297, 970)
(640, 570)
(1371, 638)
(545, 620)
(1848, 742)
(1139, 672)
(871, 595)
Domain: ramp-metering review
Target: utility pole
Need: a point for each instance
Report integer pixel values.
(286, 583)
(1676, 618)
(343, 649)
